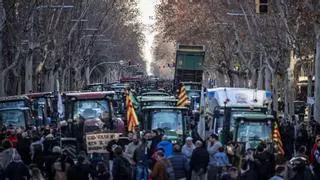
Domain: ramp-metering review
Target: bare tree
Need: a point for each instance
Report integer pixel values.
(49, 40)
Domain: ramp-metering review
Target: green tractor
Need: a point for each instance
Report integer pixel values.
(173, 120)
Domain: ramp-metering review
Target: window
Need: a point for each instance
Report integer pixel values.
(15, 118)
(167, 120)
(13, 104)
(253, 133)
(91, 109)
(262, 6)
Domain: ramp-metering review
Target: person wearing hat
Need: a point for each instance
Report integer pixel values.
(187, 150)
(188, 147)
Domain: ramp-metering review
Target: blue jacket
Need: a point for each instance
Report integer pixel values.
(221, 159)
(179, 164)
(167, 146)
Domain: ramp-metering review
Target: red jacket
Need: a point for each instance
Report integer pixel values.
(314, 148)
(13, 140)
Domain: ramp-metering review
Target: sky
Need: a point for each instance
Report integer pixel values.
(147, 12)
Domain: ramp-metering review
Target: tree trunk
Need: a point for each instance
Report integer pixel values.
(88, 75)
(290, 86)
(28, 73)
(51, 81)
(275, 91)
(309, 95)
(260, 78)
(231, 79)
(2, 20)
(63, 79)
(317, 74)
(252, 81)
(267, 79)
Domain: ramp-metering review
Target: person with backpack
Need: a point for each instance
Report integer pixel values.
(121, 166)
(163, 169)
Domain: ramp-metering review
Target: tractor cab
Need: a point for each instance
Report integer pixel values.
(173, 120)
(19, 117)
(82, 107)
(42, 105)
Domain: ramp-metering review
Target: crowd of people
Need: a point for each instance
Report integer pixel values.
(150, 155)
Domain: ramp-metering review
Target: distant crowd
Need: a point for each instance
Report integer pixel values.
(149, 155)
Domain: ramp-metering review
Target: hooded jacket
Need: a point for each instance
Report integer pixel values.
(167, 146)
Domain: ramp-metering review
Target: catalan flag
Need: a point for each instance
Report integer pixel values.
(182, 98)
(277, 138)
(131, 114)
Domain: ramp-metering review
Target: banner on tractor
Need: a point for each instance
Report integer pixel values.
(97, 143)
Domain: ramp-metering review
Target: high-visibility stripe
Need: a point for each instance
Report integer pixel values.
(182, 97)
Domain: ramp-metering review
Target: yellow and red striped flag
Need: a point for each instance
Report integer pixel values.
(131, 114)
(182, 98)
(277, 138)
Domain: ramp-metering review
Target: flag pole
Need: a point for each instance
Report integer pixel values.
(201, 124)
(59, 111)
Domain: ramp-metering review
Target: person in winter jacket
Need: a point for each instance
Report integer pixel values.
(188, 147)
(199, 162)
(166, 145)
(266, 162)
(36, 174)
(111, 146)
(179, 162)
(250, 167)
(280, 173)
(11, 136)
(155, 139)
(316, 162)
(159, 169)
(213, 146)
(232, 174)
(50, 160)
(121, 167)
(221, 159)
(36, 149)
(23, 147)
(101, 172)
(7, 154)
(17, 170)
(60, 168)
(314, 148)
(141, 156)
(132, 146)
(79, 171)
